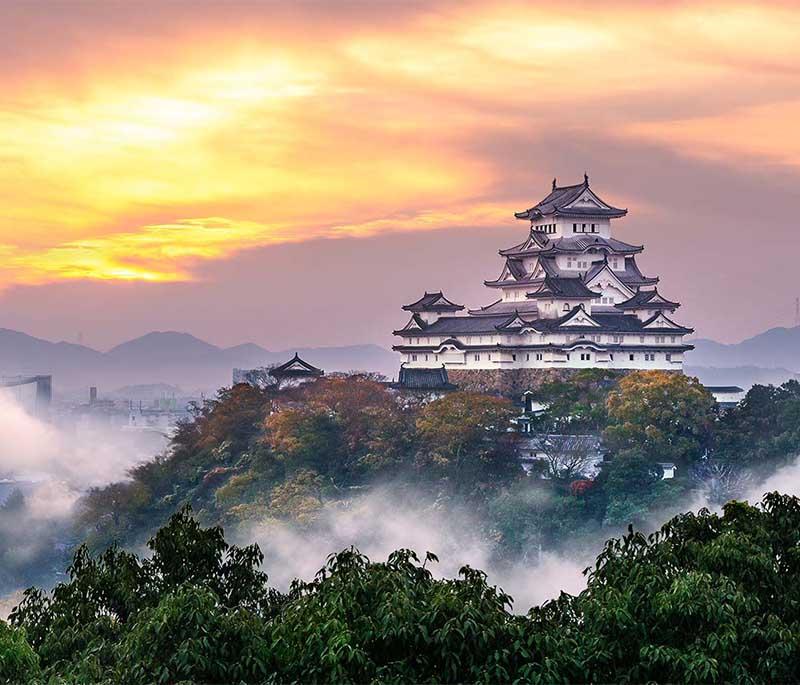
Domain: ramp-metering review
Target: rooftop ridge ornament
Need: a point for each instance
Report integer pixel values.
(585, 179)
(554, 183)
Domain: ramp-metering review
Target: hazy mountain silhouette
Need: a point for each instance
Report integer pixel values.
(168, 357)
(777, 348)
(181, 359)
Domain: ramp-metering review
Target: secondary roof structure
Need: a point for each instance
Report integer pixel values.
(433, 302)
(296, 368)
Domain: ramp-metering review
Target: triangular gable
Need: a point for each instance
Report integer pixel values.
(295, 366)
(660, 320)
(607, 272)
(505, 274)
(658, 299)
(514, 322)
(412, 325)
(440, 301)
(537, 270)
(587, 199)
(579, 317)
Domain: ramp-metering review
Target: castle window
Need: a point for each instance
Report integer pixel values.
(477, 357)
(513, 357)
(426, 357)
(413, 357)
(539, 356)
(574, 228)
(669, 357)
(641, 338)
(631, 357)
(568, 356)
(583, 228)
(594, 228)
(527, 357)
(566, 307)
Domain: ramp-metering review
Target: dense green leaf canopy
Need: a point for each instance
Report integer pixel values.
(707, 598)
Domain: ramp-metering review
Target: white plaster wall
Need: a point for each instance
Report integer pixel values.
(564, 226)
(503, 359)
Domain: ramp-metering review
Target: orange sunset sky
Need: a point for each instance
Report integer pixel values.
(292, 173)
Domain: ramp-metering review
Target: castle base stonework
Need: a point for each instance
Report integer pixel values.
(511, 383)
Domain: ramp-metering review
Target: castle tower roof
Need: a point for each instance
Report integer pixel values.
(576, 200)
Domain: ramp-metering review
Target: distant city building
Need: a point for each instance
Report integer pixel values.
(258, 377)
(727, 396)
(40, 402)
(569, 296)
(667, 470)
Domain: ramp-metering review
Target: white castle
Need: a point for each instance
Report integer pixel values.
(570, 296)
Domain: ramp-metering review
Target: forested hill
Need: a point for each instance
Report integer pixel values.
(296, 456)
(707, 599)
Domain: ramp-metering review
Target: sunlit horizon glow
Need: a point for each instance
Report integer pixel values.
(148, 141)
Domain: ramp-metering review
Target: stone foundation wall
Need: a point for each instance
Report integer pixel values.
(509, 383)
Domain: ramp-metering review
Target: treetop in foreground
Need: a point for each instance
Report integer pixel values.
(707, 598)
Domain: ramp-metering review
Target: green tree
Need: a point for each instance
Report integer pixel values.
(668, 417)
(188, 636)
(706, 599)
(304, 438)
(18, 661)
(577, 404)
(632, 485)
(78, 628)
(466, 438)
(762, 432)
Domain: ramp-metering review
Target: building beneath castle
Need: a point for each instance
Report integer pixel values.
(569, 296)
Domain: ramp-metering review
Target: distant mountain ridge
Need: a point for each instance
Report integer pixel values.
(776, 348)
(168, 357)
(181, 359)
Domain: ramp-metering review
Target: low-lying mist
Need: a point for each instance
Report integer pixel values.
(44, 470)
(62, 463)
(381, 522)
(80, 454)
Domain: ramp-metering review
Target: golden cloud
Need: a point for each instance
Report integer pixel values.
(377, 129)
(168, 252)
